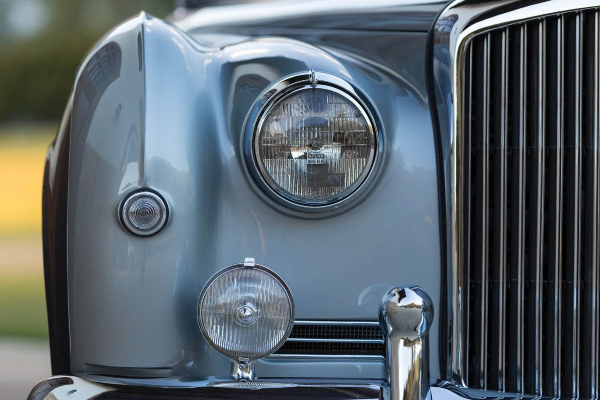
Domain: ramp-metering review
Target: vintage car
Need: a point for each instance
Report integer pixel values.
(328, 200)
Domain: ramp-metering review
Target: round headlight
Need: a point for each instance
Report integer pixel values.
(246, 312)
(315, 145)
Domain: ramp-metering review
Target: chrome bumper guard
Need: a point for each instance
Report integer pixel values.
(405, 316)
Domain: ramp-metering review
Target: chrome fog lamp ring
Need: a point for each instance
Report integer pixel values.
(246, 312)
(328, 157)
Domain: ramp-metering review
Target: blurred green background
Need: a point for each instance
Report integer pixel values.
(42, 43)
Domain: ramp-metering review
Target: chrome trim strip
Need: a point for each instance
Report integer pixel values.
(595, 259)
(500, 242)
(317, 357)
(306, 340)
(538, 218)
(457, 24)
(555, 262)
(519, 196)
(482, 244)
(574, 247)
(334, 340)
(336, 323)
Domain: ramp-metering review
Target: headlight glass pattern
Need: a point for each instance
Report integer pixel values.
(246, 312)
(315, 146)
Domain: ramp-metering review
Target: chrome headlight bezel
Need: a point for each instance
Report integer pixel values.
(280, 91)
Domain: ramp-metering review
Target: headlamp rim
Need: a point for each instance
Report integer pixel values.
(240, 266)
(279, 91)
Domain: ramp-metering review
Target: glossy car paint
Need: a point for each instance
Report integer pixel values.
(367, 15)
(160, 108)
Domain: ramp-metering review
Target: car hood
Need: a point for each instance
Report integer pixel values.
(378, 15)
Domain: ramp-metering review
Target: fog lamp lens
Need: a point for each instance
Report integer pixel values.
(315, 146)
(246, 312)
(144, 213)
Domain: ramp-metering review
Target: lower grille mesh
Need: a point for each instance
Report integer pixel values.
(334, 340)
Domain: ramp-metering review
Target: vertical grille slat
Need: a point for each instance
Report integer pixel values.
(497, 206)
(466, 323)
(571, 214)
(530, 170)
(552, 273)
(516, 272)
(535, 207)
(590, 265)
(480, 194)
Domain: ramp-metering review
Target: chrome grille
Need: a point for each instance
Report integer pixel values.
(334, 339)
(529, 240)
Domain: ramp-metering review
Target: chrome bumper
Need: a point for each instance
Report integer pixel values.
(81, 389)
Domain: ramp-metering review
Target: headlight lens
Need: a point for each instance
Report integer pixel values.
(315, 146)
(246, 312)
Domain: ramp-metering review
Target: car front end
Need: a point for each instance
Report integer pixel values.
(371, 200)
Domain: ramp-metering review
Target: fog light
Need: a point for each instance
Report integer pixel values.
(144, 213)
(246, 311)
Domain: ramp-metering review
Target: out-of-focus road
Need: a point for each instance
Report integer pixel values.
(23, 363)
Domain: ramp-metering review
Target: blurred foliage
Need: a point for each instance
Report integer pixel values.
(22, 305)
(38, 71)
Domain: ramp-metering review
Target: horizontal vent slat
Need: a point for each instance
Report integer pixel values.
(334, 339)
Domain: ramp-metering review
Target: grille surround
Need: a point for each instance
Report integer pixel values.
(456, 28)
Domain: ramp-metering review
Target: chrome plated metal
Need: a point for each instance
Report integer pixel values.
(271, 98)
(535, 273)
(335, 340)
(354, 337)
(312, 77)
(498, 170)
(555, 188)
(77, 389)
(326, 357)
(572, 209)
(242, 370)
(156, 199)
(482, 216)
(516, 297)
(340, 323)
(555, 204)
(405, 315)
(591, 306)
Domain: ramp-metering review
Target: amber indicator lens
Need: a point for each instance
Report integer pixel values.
(246, 312)
(315, 146)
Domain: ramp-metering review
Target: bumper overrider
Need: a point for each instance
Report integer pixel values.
(405, 316)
